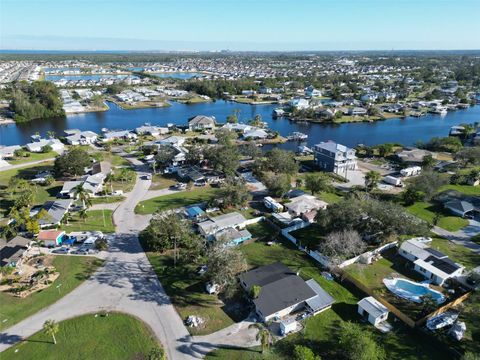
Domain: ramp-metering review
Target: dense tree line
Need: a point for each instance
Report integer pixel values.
(39, 99)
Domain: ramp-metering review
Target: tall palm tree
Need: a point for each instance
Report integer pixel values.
(67, 217)
(50, 327)
(110, 177)
(83, 215)
(51, 134)
(263, 336)
(83, 196)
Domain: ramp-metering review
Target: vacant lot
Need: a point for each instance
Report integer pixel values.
(173, 201)
(112, 337)
(73, 271)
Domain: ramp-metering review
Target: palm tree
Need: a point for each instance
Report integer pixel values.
(110, 177)
(83, 196)
(263, 336)
(83, 215)
(51, 134)
(50, 327)
(67, 217)
(371, 180)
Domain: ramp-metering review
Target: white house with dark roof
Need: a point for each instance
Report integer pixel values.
(432, 264)
(37, 146)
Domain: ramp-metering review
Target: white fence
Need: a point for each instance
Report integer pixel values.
(253, 221)
(325, 260)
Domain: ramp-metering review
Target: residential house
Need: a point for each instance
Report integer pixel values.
(102, 167)
(431, 263)
(12, 252)
(151, 130)
(304, 205)
(172, 140)
(282, 292)
(372, 310)
(336, 158)
(357, 111)
(238, 127)
(212, 226)
(69, 188)
(120, 134)
(460, 207)
(37, 146)
(194, 212)
(51, 238)
(56, 210)
(82, 138)
(255, 134)
(201, 123)
(233, 236)
(310, 91)
(300, 104)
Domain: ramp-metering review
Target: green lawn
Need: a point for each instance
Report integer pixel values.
(113, 337)
(464, 189)
(176, 200)
(321, 331)
(310, 236)
(73, 271)
(329, 197)
(33, 157)
(106, 199)
(427, 212)
(187, 292)
(94, 222)
(160, 181)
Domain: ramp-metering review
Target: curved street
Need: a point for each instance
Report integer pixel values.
(127, 283)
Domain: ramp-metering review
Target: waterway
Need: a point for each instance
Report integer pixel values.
(404, 131)
(86, 77)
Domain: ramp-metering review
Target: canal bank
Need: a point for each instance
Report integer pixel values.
(406, 131)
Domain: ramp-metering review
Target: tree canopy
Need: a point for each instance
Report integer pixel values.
(72, 162)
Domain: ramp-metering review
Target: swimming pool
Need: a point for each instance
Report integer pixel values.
(411, 290)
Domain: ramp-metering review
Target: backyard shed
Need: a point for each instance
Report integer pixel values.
(372, 310)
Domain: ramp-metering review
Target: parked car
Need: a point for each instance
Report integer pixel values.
(148, 177)
(62, 250)
(181, 186)
(80, 252)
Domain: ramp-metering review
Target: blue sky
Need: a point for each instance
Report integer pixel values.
(282, 25)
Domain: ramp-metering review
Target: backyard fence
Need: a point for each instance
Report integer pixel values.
(444, 308)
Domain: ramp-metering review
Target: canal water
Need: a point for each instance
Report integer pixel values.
(86, 77)
(404, 131)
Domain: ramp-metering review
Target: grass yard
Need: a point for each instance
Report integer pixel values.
(262, 230)
(310, 236)
(173, 201)
(160, 181)
(106, 199)
(73, 271)
(464, 189)
(187, 291)
(94, 222)
(428, 212)
(329, 197)
(33, 157)
(321, 331)
(113, 337)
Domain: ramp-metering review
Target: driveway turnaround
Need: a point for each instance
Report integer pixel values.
(127, 283)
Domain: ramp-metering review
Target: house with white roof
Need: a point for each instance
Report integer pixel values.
(304, 204)
(82, 138)
(432, 264)
(201, 122)
(255, 134)
(37, 146)
(209, 228)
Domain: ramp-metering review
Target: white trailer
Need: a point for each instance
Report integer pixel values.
(411, 171)
(393, 181)
(272, 204)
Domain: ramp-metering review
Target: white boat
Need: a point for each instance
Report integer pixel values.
(442, 320)
(297, 136)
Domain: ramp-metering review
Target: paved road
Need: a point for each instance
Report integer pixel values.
(127, 283)
(461, 237)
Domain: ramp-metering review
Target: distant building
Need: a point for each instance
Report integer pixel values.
(82, 138)
(201, 122)
(332, 157)
(37, 146)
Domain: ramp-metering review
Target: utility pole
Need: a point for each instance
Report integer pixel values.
(174, 251)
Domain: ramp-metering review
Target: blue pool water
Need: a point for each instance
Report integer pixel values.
(412, 291)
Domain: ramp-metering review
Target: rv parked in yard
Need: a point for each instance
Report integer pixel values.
(393, 181)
